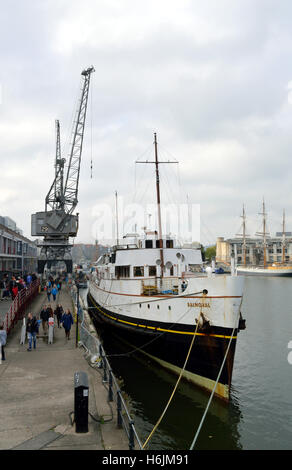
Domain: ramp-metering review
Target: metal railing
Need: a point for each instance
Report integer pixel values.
(124, 419)
(16, 309)
(98, 356)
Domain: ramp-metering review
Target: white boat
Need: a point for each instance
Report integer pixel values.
(268, 271)
(152, 292)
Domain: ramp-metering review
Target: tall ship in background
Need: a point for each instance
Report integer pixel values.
(266, 269)
(151, 292)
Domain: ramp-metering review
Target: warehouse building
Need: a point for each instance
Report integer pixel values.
(18, 254)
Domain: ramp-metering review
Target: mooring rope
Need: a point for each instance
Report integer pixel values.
(214, 388)
(175, 387)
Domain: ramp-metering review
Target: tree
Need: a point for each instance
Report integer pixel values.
(210, 252)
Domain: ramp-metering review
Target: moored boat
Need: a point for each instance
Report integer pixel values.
(272, 269)
(152, 292)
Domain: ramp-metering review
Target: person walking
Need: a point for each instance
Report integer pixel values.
(51, 323)
(49, 311)
(49, 291)
(54, 292)
(67, 321)
(51, 320)
(2, 286)
(14, 292)
(3, 339)
(32, 330)
(59, 312)
(44, 316)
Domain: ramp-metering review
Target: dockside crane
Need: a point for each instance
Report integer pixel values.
(58, 223)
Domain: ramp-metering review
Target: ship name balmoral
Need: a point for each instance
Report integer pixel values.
(198, 304)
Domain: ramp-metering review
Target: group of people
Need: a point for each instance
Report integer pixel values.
(11, 285)
(52, 287)
(47, 317)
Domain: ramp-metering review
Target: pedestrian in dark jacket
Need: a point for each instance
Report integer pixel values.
(31, 329)
(3, 339)
(67, 321)
(49, 291)
(44, 316)
(59, 312)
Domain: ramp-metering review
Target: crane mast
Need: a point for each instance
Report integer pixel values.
(72, 179)
(55, 196)
(58, 223)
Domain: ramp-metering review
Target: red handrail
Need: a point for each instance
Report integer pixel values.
(16, 309)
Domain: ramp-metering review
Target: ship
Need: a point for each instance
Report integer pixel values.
(154, 293)
(282, 269)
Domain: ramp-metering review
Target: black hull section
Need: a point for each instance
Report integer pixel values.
(171, 348)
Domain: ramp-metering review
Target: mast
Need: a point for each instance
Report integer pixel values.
(158, 204)
(264, 235)
(264, 232)
(157, 163)
(283, 238)
(244, 235)
(117, 219)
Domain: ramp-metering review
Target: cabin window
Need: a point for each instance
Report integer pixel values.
(157, 244)
(140, 305)
(152, 270)
(158, 307)
(169, 307)
(122, 271)
(148, 243)
(169, 243)
(148, 306)
(138, 271)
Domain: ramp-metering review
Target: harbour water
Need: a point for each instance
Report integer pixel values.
(259, 413)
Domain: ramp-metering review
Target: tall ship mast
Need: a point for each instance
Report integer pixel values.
(264, 234)
(243, 235)
(283, 238)
(154, 294)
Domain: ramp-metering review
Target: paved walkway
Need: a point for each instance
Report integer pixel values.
(37, 394)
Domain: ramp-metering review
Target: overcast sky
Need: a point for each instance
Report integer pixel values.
(213, 79)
